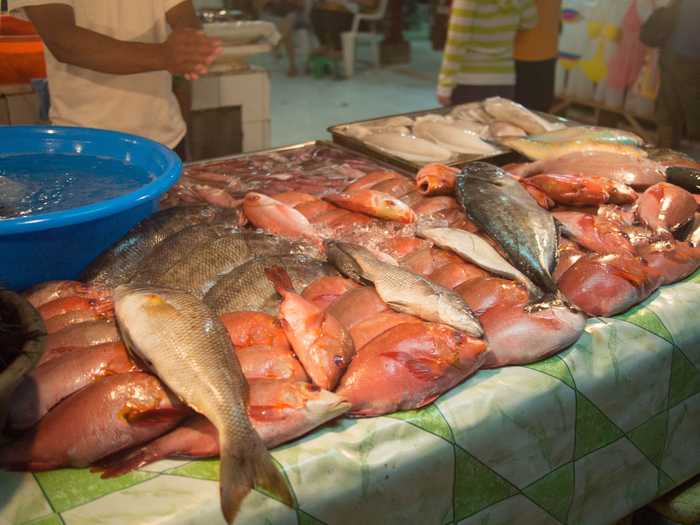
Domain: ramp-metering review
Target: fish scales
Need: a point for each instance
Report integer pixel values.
(500, 206)
(210, 260)
(189, 349)
(118, 264)
(247, 287)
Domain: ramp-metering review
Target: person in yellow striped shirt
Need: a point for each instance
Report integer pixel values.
(478, 57)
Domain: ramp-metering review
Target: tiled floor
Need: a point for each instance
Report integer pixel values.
(304, 107)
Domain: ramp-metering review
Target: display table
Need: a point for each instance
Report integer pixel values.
(584, 437)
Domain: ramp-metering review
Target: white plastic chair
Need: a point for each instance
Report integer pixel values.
(350, 38)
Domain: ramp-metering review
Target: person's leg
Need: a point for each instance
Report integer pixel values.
(669, 112)
(286, 27)
(318, 24)
(687, 75)
(463, 94)
(338, 23)
(534, 83)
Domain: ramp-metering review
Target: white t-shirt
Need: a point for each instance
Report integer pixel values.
(142, 104)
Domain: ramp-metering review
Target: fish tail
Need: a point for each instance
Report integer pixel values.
(280, 279)
(241, 470)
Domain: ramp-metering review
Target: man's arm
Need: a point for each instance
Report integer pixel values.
(183, 52)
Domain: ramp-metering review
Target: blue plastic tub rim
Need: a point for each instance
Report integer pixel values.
(113, 144)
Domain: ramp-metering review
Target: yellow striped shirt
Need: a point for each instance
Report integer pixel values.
(480, 37)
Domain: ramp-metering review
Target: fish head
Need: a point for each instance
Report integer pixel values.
(453, 311)
(348, 258)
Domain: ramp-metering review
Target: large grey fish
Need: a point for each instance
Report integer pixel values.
(247, 287)
(402, 289)
(118, 264)
(198, 272)
(474, 249)
(185, 344)
(177, 247)
(505, 211)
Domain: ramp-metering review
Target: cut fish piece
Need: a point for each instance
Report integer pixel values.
(454, 138)
(409, 147)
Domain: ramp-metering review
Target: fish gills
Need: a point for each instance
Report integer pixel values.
(189, 349)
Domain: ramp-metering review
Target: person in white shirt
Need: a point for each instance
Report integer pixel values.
(110, 62)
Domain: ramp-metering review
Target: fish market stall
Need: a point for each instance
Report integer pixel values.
(428, 349)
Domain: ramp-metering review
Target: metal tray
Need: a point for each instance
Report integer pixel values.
(342, 138)
(291, 147)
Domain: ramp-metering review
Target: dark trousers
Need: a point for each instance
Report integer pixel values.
(534, 83)
(328, 25)
(678, 101)
(181, 149)
(463, 93)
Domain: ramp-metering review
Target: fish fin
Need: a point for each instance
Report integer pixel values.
(423, 368)
(240, 471)
(154, 416)
(123, 463)
(280, 279)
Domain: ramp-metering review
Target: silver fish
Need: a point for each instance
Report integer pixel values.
(473, 248)
(247, 287)
(207, 262)
(186, 345)
(505, 211)
(118, 264)
(403, 290)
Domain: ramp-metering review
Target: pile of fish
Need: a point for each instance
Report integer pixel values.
(222, 331)
(474, 129)
(315, 168)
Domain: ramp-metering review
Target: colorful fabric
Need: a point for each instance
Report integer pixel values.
(584, 438)
(625, 65)
(480, 39)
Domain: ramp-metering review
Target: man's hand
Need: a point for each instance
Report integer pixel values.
(189, 52)
(444, 100)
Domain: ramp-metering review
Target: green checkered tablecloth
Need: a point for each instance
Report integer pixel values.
(584, 437)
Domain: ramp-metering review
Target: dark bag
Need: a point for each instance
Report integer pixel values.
(659, 26)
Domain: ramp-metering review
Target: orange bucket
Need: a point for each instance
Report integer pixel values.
(21, 52)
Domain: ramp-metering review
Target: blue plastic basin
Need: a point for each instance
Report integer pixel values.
(58, 245)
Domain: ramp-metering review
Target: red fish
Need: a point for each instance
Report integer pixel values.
(581, 190)
(49, 291)
(59, 322)
(569, 254)
(401, 246)
(431, 205)
(270, 362)
(357, 305)
(483, 293)
(320, 342)
(518, 337)
(278, 410)
(365, 331)
(427, 261)
(254, 328)
(608, 284)
(453, 274)
(121, 411)
(436, 179)
(277, 217)
(53, 381)
(672, 260)
(83, 334)
(325, 291)
(313, 209)
(666, 208)
(374, 203)
(595, 233)
(294, 198)
(52, 354)
(371, 179)
(73, 303)
(396, 187)
(409, 366)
